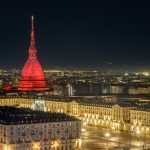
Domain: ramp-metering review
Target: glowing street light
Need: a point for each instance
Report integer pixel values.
(84, 123)
(83, 129)
(138, 132)
(107, 135)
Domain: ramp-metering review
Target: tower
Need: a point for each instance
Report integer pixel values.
(32, 77)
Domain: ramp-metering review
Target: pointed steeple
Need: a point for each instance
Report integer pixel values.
(32, 49)
(32, 42)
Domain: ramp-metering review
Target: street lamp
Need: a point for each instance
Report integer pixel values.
(107, 135)
(83, 130)
(84, 123)
(143, 141)
(138, 135)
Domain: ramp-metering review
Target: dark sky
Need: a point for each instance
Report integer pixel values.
(76, 33)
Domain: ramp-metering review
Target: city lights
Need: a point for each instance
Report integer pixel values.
(85, 85)
(145, 73)
(83, 129)
(56, 144)
(107, 134)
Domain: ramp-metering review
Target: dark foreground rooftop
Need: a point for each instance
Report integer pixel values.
(13, 115)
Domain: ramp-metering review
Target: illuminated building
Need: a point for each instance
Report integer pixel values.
(32, 74)
(105, 113)
(70, 90)
(139, 90)
(116, 89)
(140, 119)
(25, 129)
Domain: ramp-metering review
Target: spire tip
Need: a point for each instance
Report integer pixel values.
(32, 17)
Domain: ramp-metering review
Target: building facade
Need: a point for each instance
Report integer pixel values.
(38, 131)
(108, 114)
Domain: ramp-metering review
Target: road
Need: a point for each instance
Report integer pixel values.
(95, 138)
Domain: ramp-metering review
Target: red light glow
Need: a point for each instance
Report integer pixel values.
(32, 74)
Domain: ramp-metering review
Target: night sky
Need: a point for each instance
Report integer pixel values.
(76, 33)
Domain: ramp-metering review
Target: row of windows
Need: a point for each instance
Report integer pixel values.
(66, 124)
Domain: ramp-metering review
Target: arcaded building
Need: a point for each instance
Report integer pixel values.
(108, 114)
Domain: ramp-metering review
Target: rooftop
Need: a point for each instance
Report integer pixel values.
(13, 115)
(142, 108)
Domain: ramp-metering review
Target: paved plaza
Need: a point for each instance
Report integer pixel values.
(97, 138)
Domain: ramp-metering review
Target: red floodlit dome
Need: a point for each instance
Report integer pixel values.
(33, 69)
(32, 74)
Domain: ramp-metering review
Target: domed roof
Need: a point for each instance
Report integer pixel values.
(33, 69)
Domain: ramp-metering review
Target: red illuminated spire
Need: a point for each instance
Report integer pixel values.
(32, 77)
(32, 42)
(32, 49)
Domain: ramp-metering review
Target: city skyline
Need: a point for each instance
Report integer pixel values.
(74, 75)
(91, 34)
